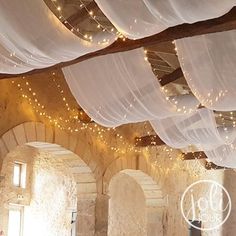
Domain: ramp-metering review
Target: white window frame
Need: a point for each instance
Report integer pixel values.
(20, 181)
(13, 207)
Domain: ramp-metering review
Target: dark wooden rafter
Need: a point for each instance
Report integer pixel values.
(223, 23)
(212, 166)
(150, 140)
(193, 156)
(80, 15)
(166, 79)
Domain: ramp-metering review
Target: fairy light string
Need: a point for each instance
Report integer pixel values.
(99, 24)
(226, 120)
(65, 124)
(117, 145)
(91, 15)
(72, 123)
(64, 21)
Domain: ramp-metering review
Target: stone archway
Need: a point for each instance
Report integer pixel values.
(136, 205)
(64, 146)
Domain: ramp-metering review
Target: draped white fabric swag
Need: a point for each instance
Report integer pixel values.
(208, 62)
(208, 65)
(121, 88)
(32, 37)
(198, 129)
(224, 155)
(142, 18)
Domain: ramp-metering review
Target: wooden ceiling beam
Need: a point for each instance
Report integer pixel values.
(150, 140)
(212, 166)
(81, 14)
(194, 156)
(171, 60)
(223, 23)
(166, 79)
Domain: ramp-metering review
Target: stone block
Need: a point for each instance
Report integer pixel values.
(30, 131)
(40, 132)
(143, 163)
(61, 138)
(86, 188)
(84, 178)
(9, 140)
(20, 136)
(80, 169)
(3, 149)
(49, 134)
(72, 142)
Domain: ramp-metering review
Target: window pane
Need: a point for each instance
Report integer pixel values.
(23, 176)
(19, 175)
(14, 224)
(16, 174)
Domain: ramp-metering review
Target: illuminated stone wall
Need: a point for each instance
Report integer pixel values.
(53, 199)
(127, 208)
(105, 153)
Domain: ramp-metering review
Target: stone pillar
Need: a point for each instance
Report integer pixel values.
(155, 221)
(85, 225)
(102, 208)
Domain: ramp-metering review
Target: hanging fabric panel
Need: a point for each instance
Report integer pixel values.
(121, 88)
(208, 63)
(198, 129)
(142, 18)
(32, 37)
(224, 156)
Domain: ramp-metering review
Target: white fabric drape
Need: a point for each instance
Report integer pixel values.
(224, 155)
(208, 63)
(32, 37)
(121, 88)
(142, 18)
(198, 129)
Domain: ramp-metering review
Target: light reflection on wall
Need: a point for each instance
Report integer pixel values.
(54, 192)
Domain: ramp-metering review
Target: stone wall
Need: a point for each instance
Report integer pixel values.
(127, 208)
(53, 198)
(104, 157)
(10, 194)
(129, 190)
(229, 184)
(49, 197)
(168, 171)
(173, 176)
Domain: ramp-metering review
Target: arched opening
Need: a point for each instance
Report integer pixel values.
(60, 193)
(86, 191)
(136, 205)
